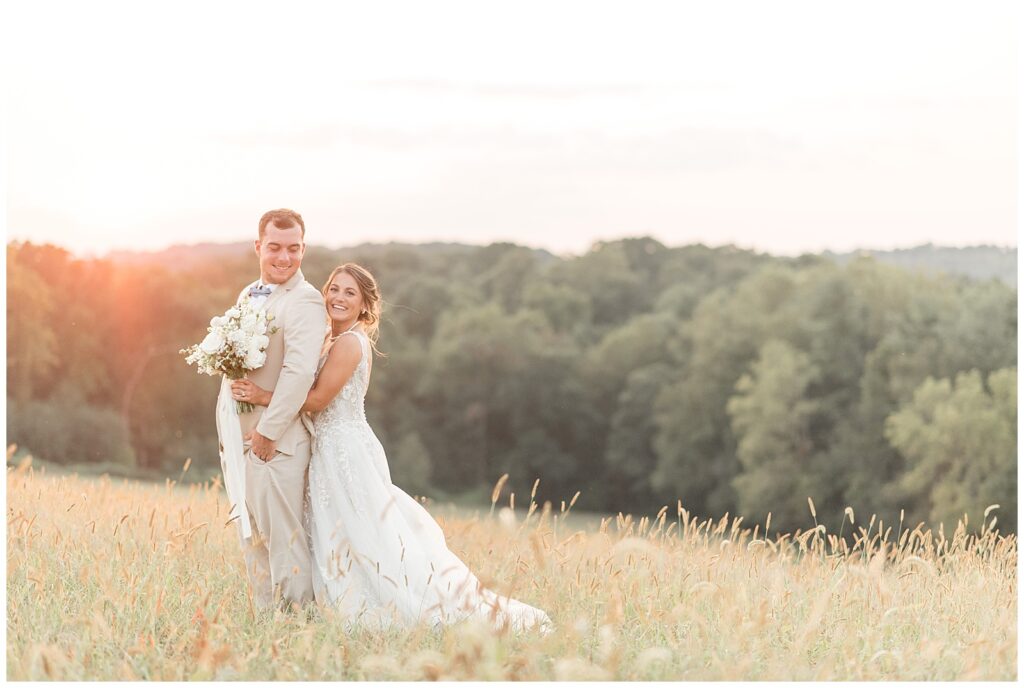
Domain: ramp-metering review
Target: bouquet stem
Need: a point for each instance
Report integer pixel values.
(242, 406)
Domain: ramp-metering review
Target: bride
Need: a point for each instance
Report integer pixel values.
(379, 557)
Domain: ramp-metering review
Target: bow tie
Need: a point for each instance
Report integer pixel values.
(259, 291)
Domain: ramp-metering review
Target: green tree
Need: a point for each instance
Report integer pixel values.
(639, 342)
(567, 309)
(415, 306)
(627, 354)
(960, 443)
(493, 381)
(31, 344)
(504, 282)
(694, 442)
(410, 464)
(630, 454)
(772, 418)
(605, 275)
(980, 332)
(686, 274)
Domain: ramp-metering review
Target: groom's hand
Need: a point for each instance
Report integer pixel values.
(262, 447)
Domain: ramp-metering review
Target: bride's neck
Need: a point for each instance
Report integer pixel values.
(337, 331)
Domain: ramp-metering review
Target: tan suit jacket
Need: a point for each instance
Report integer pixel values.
(290, 368)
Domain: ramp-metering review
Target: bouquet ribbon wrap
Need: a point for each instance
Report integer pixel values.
(232, 458)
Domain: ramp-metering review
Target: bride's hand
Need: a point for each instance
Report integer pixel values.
(245, 390)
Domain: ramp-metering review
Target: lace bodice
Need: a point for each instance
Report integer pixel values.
(347, 407)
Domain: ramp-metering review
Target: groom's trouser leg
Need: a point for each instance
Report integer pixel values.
(277, 557)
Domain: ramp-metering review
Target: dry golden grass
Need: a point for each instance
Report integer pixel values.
(124, 580)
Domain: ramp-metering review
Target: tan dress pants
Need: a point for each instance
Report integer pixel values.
(277, 557)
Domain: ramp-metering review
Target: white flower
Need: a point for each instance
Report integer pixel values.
(254, 354)
(212, 343)
(238, 334)
(254, 358)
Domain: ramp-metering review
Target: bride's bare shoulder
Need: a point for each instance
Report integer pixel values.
(345, 347)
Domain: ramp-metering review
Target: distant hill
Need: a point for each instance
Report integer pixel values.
(976, 262)
(184, 257)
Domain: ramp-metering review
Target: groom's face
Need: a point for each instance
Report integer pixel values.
(280, 252)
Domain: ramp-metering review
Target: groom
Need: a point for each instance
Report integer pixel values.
(275, 449)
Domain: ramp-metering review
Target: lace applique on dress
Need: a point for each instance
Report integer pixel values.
(343, 415)
(347, 406)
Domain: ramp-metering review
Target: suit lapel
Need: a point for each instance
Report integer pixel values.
(278, 294)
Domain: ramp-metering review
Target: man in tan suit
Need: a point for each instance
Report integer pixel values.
(276, 440)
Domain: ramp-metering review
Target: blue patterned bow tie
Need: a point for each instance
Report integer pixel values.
(259, 291)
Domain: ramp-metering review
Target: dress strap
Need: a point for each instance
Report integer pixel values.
(361, 336)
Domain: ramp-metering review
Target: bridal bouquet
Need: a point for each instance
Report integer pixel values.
(236, 343)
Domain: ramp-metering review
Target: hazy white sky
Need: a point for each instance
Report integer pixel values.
(782, 126)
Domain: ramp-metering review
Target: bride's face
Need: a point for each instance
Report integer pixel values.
(344, 300)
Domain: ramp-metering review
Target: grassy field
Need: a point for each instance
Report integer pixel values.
(115, 579)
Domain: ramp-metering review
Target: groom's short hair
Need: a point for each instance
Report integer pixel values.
(283, 218)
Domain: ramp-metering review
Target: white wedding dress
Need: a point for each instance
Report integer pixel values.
(379, 557)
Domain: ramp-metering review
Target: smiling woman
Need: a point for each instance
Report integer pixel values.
(352, 295)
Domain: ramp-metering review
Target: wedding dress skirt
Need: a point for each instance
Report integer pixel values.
(379, 557)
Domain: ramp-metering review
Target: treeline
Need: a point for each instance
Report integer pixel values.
(636, 373)
(978, 262)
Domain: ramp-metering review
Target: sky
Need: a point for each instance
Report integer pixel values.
(786, 127)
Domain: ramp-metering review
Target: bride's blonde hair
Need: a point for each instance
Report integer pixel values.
(370, 318)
